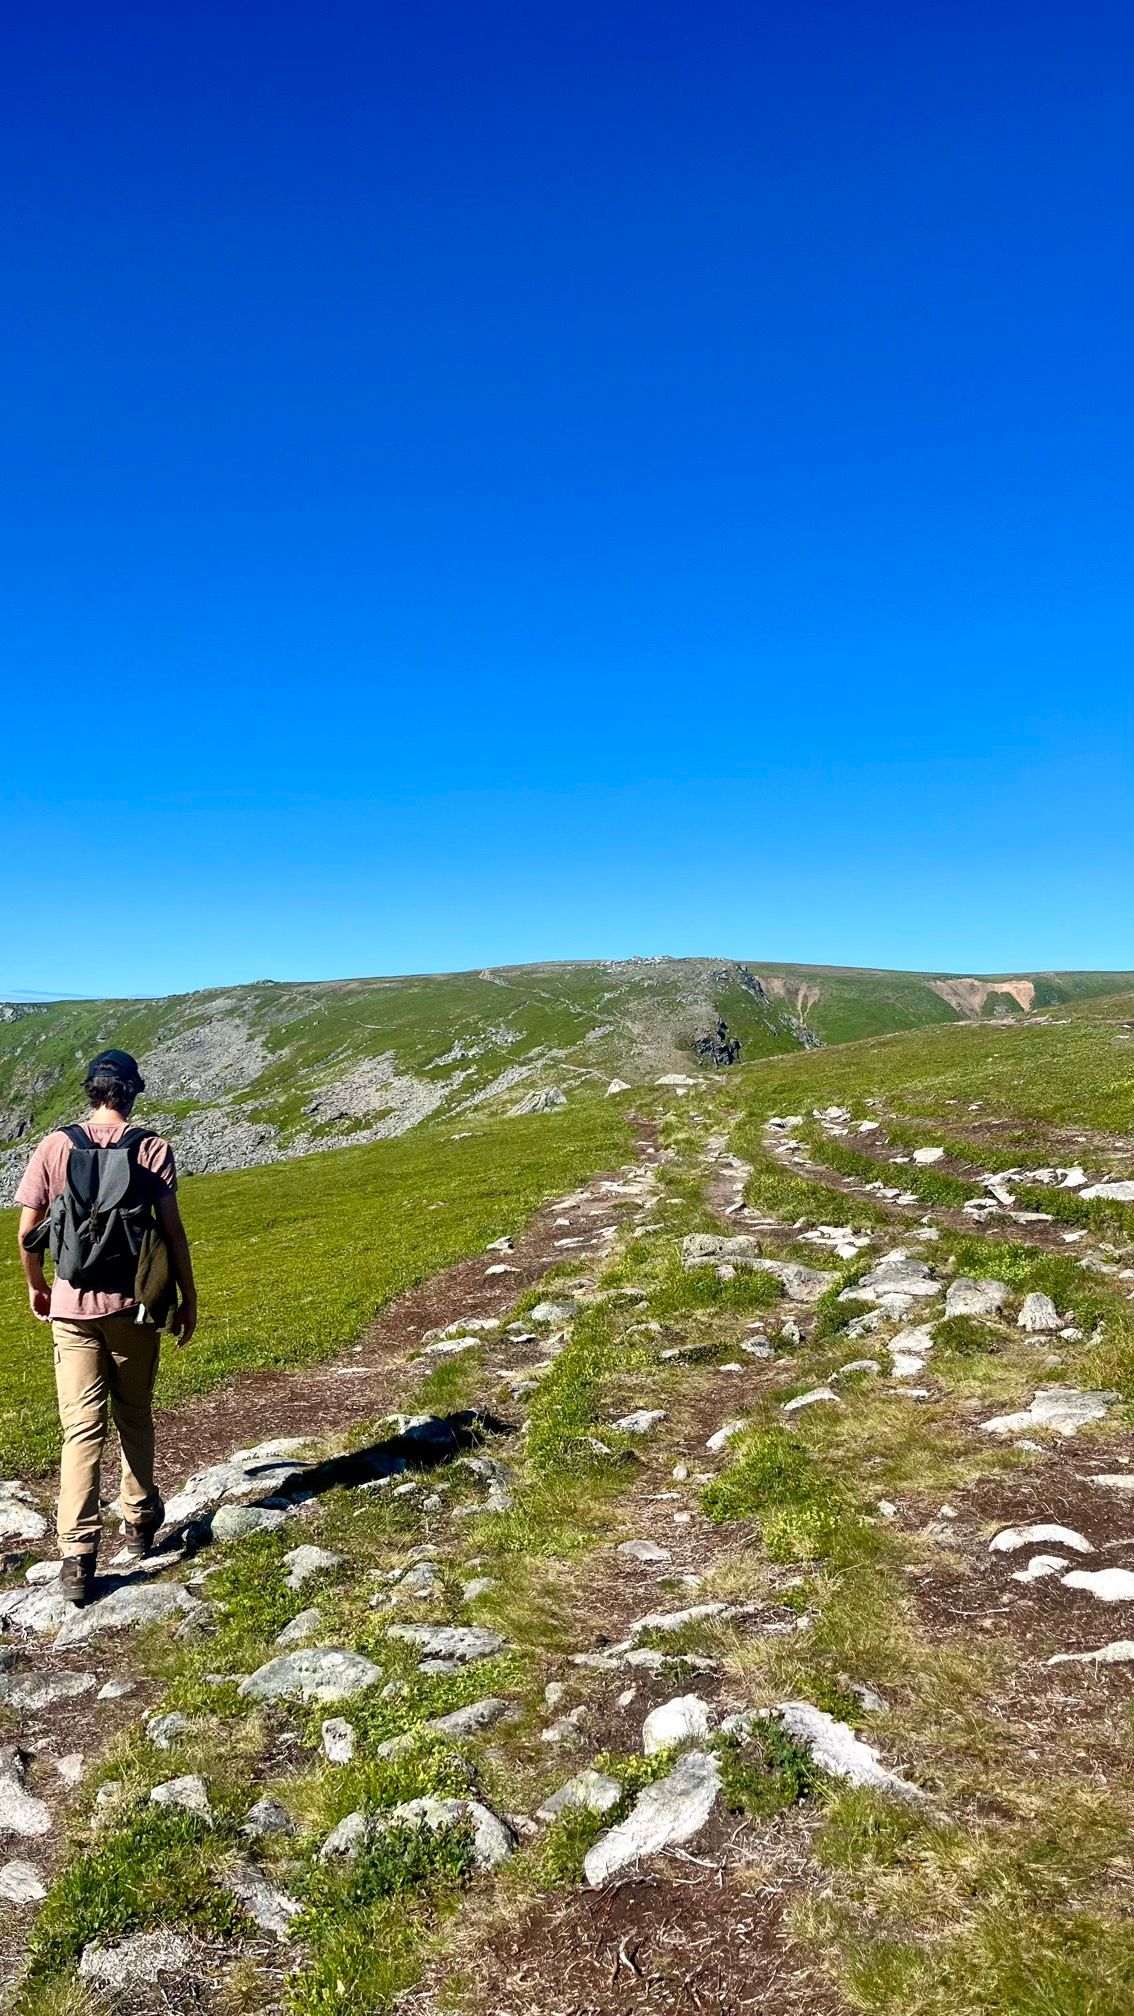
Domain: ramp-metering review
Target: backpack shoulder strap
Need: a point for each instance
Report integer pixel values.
(77, 1136)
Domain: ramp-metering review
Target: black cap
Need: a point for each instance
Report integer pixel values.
(116, 1064)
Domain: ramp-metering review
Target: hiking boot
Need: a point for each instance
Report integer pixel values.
(76, 1577)
(140, 1534)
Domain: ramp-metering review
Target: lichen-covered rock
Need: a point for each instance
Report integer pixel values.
(321, 1674)
(125, 1607)
(975, 1298)
(303, 1562)
(139, 1962)
(591, 1791)
(21, 1883)
(190, 1792)
(20, 1813)
(664, 1814)
(462, 1642)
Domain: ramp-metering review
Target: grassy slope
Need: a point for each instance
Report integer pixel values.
(1004, 1905)
(293, 1260)
(1074, 1074)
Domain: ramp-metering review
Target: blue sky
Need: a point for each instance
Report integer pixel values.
(504, 482)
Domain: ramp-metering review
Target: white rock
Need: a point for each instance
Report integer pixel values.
(125, 1607)
(20, 1813)
(339, 1740)
(1116, 1480)
(810, 1399)
(240, 1522)
(837, 1750)
(640, 1422)
(684, 1719)
(927, 1155)
(646, 1551)
(1118, 1193)
(1119, 1652)
(1012, 1537)
(1107, 1585)
(895, 1278)
(191, 1792)
(676, 1620)
(344, 1841)
(1037, 1313)
(21, 1883)
(664, 1814)
(305, 1626)
(1039, 1568)
(462, 1642)
(28, 1692)
(1062, 1408)
(616, 1085)
(724, 1435)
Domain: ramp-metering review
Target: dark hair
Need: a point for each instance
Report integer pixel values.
(105, 1088)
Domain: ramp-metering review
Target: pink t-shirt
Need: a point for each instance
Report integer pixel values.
(43, 1181)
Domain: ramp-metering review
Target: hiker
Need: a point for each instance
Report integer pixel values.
(102, 1198)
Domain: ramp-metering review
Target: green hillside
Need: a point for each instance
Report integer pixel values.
(246, 1075)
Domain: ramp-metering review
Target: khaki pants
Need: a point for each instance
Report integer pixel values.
(105, 1360)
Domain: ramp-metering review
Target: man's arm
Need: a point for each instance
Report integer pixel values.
(169, 1218)
(39, 1294)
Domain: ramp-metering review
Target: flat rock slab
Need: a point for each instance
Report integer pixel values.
(640, 1422)
(1107, 1585)
(463, 1642)
(975, 1298)
(646, 1551)
(321, 1674)
(462, 1722)
(1064, 1409)
(251, 1473)
(1120, 1652)
(811, 1399)
(588, 1791)
(139, 1962)
(898, 1273)
(677, 1620)
(1010, 1538)
(131, 1604)
(664, 1814)
(799, 1283)
(21, 1883)
(710, 1249)
(1118, 1193)
(31, 1691)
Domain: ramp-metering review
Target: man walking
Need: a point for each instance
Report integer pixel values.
(96, 1192)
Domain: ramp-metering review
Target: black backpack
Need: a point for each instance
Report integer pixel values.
(96, 1226)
